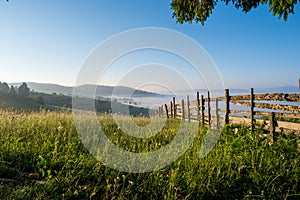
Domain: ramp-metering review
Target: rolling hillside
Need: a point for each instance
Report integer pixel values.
(101, 90)
(60, 101)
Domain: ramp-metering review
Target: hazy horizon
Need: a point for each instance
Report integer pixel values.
(179, 91)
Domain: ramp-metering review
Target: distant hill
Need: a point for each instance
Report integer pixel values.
(48, 88)
(85, 90)
(118, 91)
(10, 102)
(60, 101)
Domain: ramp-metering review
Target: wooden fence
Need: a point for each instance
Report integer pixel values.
(207, 111)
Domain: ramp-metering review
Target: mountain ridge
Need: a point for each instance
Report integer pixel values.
(86, 89)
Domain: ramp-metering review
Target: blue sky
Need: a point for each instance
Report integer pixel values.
(47, 41)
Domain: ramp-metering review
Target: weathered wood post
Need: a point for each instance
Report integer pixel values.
(166, 107)
(182, 110)
(198, 107)
(252, 109)
(174, 107)
(217, 114)
(171, 109)
(202, 110)
(208, 109)
(227, 109)
(188, 108)
(272, 125)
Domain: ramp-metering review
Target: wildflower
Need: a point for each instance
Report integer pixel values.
(130, 182)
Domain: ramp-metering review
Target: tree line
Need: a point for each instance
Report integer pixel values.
(21, 91)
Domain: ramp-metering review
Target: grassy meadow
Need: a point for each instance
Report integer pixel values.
(42, 157)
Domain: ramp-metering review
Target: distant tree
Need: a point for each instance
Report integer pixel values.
(23, 90)
(12, 92)
(199, 10)
(40, 100)
(4, 88)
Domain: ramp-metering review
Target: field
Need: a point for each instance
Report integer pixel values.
(42, 157)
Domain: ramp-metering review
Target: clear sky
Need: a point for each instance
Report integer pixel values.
(47, 41)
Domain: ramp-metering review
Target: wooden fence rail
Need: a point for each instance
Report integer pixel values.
(201, 110)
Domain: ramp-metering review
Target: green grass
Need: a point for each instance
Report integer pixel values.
(241, 166)
(283, 119)
(294, 120)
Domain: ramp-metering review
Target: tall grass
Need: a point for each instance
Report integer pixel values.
(44, 156)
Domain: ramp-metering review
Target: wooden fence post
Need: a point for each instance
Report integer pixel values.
(272, 124)
(208, 110)
(252, 109)
(202, 110)
(182, 110)
(174, 109)
(171, 109)
(217, 114)
(166, 107)
(227, 109)
(198, 107)
(188, 108)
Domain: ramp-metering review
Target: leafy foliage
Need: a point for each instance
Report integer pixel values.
(12, 92)
(199, 11)
(40, 100)
(23, 90)
(4, 88)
